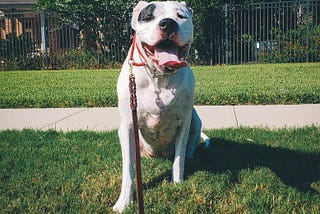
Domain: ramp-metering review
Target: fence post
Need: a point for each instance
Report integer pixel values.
(307, 33)
(226, 33)
(44, 37)
(211, 46)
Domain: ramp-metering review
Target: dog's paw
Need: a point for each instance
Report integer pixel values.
(207, 144)
(121, 205)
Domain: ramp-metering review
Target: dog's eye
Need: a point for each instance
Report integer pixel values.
(147, 18)
(182, 15)
(146, 14)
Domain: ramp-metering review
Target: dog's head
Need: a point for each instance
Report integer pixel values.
(164, 32)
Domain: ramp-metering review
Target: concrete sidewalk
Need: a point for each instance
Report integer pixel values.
(213, 117)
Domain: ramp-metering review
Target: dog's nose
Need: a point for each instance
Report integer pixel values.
(168, 25)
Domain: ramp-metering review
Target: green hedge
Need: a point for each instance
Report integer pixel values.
(297, 45)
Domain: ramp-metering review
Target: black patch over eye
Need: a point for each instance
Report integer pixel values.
(146, 13)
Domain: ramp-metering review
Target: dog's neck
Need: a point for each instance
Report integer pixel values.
(163, 81)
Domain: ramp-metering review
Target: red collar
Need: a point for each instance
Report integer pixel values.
(133, 46)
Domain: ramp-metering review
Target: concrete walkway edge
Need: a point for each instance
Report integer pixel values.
(213, 117)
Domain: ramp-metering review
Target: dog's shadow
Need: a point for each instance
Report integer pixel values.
(296, 169)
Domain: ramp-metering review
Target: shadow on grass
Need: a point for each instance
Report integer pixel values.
(294, 168)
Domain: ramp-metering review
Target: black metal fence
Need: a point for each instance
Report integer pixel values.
(36, 40)
(286, 31)
(20, 38)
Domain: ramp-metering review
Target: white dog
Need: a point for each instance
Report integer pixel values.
(169, 126)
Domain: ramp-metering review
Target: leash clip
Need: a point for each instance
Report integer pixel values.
(131, 62)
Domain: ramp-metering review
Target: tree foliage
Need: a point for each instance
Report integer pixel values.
(207, 19)
(99, 20)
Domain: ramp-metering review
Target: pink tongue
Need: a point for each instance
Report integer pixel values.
(169, 58)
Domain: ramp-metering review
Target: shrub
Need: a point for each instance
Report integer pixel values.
(19, 52)
(81, 59)
(295, 45)
(63, 59)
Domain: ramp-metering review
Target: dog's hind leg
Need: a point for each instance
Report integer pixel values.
(195, 134)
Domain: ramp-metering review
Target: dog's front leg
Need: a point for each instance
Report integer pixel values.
(127, 149)
(180, 149)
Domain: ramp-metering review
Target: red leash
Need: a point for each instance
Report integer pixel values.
(133, 105)
(133, 46)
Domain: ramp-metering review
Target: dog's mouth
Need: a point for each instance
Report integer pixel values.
(167, 54)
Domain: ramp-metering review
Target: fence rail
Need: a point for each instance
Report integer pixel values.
(286, 31)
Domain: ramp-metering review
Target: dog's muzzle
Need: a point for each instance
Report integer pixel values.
(168, 26)
(166, 53)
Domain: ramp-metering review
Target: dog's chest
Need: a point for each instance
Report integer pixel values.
(157, 123)
(161, 109)
(160, 118)
(159, 130)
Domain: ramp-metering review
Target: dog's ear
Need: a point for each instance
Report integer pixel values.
(189, 8)
(136, 12)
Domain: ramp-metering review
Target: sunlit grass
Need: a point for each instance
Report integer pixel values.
(258, 84)
(247, 170)
(215, 85)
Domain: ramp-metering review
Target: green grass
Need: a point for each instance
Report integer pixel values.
(258, 84)
(68, 88)
(217, 85)
(245, 171)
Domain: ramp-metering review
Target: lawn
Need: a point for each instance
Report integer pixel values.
(247, 170)
(216, 85)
